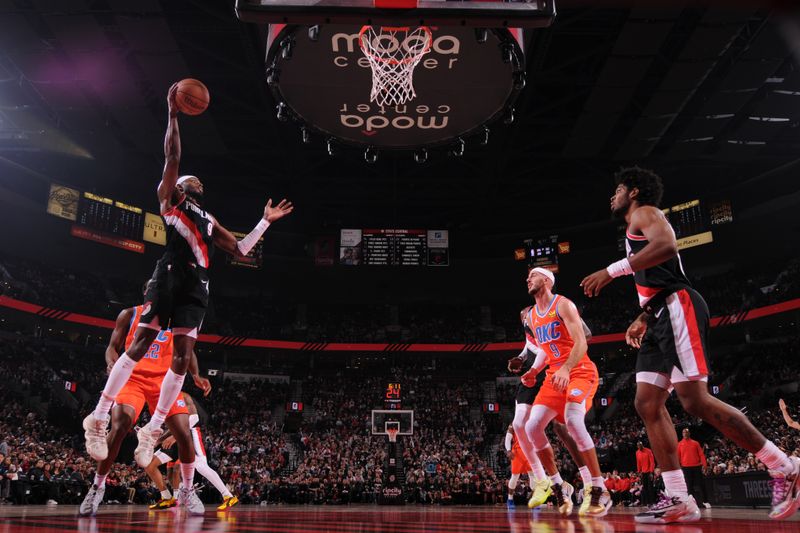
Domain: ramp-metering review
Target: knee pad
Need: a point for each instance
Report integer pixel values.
(574, 414)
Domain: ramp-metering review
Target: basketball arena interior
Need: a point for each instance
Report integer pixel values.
(351, 266)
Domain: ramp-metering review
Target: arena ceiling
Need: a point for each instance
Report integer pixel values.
(709, 96)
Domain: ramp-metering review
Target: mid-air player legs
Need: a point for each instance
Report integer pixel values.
(671, 336)
(569, 386)
(142, 387)
(177, 295)
(167, 454)
(542, 485)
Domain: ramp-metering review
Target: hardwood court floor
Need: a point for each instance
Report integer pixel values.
(370, 519)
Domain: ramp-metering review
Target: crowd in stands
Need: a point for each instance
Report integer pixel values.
(251, 313)
(331, 456)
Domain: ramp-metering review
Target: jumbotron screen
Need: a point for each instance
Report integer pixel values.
(110, 216)
(394, 247)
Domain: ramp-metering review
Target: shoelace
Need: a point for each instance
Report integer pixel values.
(662, 503)
(779, 489)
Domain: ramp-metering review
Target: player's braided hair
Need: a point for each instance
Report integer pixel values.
(651, 189)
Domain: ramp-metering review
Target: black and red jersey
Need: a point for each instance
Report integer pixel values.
(651, 281)
(189, 234)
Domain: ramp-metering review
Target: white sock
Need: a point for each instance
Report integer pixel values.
(598, 482)
(100, 480)
(586, 476)
(538, 470)
(116, 380)
(675, 483)
(774, 458)
(201, 465)
(556, 479)
(166, 494)
(187, 475)
(170, 388)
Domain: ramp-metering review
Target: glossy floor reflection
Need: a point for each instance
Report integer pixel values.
(370, 519)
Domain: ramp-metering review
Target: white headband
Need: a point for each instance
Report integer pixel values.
(182, 179)
(546, 273)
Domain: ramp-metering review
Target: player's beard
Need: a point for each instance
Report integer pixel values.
(620, 212)
(194, 195)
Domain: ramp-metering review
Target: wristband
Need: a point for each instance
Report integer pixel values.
(620, 268)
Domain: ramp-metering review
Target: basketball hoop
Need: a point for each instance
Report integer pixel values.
(393, 53)
(392, 433)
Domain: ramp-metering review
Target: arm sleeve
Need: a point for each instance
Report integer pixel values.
(529, 350)
(540, 360)
(509, 438)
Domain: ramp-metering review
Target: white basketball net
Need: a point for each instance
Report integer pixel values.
(393, 53)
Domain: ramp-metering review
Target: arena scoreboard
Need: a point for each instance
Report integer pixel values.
(543, 252)
(693, 220)
(109, 221)
(394, 247)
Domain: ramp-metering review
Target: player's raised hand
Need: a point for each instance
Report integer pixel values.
(594, 282)
(172, 104)
(271, 214)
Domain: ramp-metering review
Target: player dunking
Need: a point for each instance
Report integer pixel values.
(569, 386)
(671, 337)
(541, 484)
(143, 386)
(177, 295)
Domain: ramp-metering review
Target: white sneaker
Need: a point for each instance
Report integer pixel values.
(52, 502)
(147, 442)
(785, 491)
(92, 501)
(189, 498)
(670, 509)
(94, 431)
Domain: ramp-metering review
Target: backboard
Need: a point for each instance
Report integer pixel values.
(401, 419)
(321, 81)
(483, 14)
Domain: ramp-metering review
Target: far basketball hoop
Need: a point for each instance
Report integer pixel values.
(393, 54)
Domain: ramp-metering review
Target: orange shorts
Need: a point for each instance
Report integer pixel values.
(138, 391)
(582, 386)
(519, 465)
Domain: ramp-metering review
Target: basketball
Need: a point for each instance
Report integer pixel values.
(192, 97)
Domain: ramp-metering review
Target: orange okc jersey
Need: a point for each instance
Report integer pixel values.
(551, 335)
(158, 358)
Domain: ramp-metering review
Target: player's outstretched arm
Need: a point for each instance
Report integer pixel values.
(226, 241)
(172, 153)
(661, 246)
(786, 417)
(116, 344)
